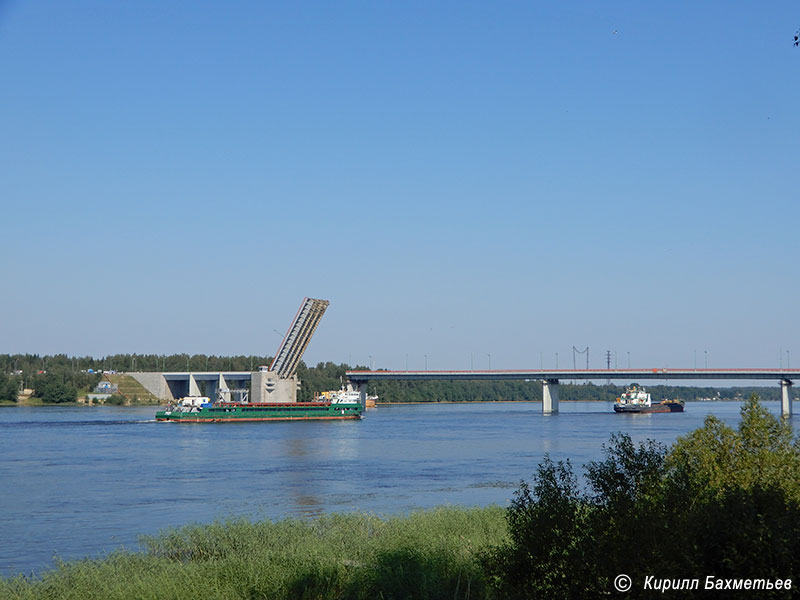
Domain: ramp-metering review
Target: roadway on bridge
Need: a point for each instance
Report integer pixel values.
(584, 374)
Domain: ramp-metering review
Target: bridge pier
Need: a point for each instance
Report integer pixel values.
(549, 396)
(194, 387)
(786, 398)
(362, 394)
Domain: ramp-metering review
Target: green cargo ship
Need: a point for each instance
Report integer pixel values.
(202, 410)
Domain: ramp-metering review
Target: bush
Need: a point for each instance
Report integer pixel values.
(115, 400)
(721, 502)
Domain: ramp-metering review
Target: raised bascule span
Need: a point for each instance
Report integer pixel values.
(277, 383)
(296, 340)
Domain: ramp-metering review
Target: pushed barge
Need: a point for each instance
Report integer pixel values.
(202, 410)
(637, 400)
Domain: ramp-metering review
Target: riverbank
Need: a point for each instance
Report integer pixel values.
(427, 554)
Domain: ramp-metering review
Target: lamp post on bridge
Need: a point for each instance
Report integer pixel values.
(490, 361)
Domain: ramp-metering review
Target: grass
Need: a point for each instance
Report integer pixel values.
(427, 554)
(34, 401)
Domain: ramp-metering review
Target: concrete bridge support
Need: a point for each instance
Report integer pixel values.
(786, 398)
(550, 396)
(362, 394)
(194, 387)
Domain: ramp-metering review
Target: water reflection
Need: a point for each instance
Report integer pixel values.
(299, 479)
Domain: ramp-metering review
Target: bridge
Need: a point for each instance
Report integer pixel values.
(550, 378)
(276, 383)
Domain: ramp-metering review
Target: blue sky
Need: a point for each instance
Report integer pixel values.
(459, 179)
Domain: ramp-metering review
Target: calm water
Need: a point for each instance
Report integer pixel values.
(81, 481)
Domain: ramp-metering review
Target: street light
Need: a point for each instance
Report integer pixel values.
(426, 362)
(556, 360)
(706, 352)
(490, 361)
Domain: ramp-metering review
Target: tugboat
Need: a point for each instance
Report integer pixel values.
(200, 409)
(346, 394)
(637, 400)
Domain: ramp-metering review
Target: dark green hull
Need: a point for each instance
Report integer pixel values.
(299, 411)
(661, 407)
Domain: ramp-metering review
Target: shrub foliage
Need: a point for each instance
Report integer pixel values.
(720, 502)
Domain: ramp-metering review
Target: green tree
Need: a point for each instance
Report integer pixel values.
(53, 391)
(761, 452)
(8, 389)
(549, 548)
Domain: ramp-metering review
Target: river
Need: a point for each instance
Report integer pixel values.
(82, 481)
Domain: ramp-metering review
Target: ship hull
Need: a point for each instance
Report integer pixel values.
(274, 412)
(665, 407)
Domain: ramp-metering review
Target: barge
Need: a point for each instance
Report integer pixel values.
(200, 409)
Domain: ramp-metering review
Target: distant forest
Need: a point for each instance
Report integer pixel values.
(62, 378)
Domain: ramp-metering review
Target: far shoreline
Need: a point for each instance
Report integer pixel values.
(403, 403)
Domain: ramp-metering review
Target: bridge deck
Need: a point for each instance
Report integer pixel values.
(555, 374)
